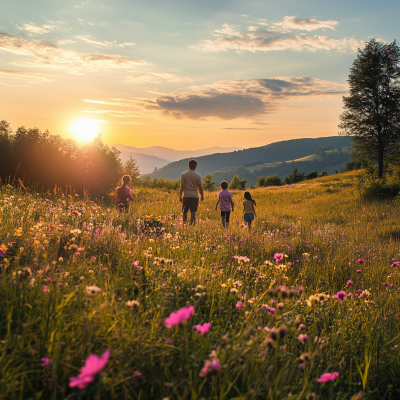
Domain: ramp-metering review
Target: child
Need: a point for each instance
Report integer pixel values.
(124, 194)
(249, 211)
(225, 203)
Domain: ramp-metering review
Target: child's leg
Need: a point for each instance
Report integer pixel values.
(227, 218)
(223, 218)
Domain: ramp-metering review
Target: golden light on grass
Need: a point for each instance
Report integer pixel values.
(85, 129)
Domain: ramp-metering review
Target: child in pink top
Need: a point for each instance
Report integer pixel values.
(124, 194)
(225, 203)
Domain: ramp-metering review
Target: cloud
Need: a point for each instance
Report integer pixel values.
(65, 41)
(22, 78)
(35, 53)
(258, 39)
(34, 29)
(228, 100)
(104, 44)
(305, 24)
(156, 77)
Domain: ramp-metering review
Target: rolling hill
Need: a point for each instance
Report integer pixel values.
(277, 152)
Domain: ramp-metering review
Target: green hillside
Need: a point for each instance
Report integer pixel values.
(275, 152)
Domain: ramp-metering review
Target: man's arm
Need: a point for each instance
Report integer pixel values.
(201, 192)
(181, 191)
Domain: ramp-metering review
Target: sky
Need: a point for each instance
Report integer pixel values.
(183, 74)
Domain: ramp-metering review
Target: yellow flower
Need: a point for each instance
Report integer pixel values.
(151, 240)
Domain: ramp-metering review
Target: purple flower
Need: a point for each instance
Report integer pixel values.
(280, 306)
(169, 341)
(340, 296)
(302, 367)
(210, 367)
(358, 271)
(239, 304)
(328, 377)
(45, 362)
(349, 283)
(270, 310)
(360, 261)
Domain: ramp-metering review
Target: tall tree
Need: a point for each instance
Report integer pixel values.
(372, 110)
(208, 183)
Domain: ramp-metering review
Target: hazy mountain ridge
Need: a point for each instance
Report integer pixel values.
(149, 158)
(277, 152)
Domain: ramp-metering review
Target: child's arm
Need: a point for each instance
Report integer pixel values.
(254, 211)
(216, 206)
(232, 204)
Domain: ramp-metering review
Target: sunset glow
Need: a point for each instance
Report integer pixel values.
(85, 130)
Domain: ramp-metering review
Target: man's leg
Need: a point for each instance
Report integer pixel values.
(192, 217)
(185, 209)
(184, 217)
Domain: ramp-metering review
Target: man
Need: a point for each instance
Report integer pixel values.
(190, 186)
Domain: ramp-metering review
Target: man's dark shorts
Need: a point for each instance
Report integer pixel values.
(190, 203)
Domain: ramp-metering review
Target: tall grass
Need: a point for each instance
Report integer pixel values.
(66, 244)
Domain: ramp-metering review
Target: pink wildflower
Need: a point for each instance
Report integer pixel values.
(210, 367)
(270, 310)
(136, 264)
(280, 306)
(395, 264)
(383, 284)
(137, 373)
(278, 257)
(358, 271)
(45, 362)
(177, 317)
(360, 261)
(351, 295)
(93, 365)
(45, 289)
(169, 341)
(303, 338)
(349, 283)
(328, 377)
(203, 329)
(391, 286)
(340, 296)
(239, 304)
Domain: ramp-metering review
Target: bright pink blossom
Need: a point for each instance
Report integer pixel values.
(177, 317)
(340, 296)
(358, 271)
(136, 264)
(303, 338)
(278, 257)
(203, 329)
(210, 367)
(270, 310)
(239, 304)
(349, 283)
(280, 306)
(328, 377)
(93, 365)
(360, 261)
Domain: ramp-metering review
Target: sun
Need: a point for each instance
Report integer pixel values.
(85, 129)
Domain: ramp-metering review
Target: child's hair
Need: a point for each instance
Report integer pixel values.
(224, 185)
(121, 190)
(247, 196)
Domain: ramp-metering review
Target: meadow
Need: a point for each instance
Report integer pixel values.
(304, 307)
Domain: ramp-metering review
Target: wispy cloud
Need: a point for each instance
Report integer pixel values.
(228, 100)
(22, 78)
(105, 43)
(290, 23)
(273, 39)
(35, 53)
(156, 77)
(34, 29)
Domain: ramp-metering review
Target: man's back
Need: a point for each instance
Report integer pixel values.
(190, 180)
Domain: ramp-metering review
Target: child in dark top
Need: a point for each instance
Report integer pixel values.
(225, 203)
(249, 211)
(124, 195)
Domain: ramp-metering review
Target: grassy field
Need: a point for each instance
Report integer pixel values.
(77, 278)
(311, 157)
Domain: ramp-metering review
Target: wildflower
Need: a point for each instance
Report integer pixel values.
(203, 329)
(280, 306)
(299, 290)
(137, 373)
(305, 357)
(45, 362)
(239, 304)
(136, 264)
(177, 317)
(93, 366)
(92, 290)
(270, 310)
(60, 259)
(301, 328)
(358, 271)
(328, 377)
(302, 367)
(340, 296)
(278, 257)
(233, 290)
(210, 367)
(3, 250)
(394, 265)
(349, 283)
(303, 338)
(169, 341)
(45, 289)
(360, 261)
(133, 304)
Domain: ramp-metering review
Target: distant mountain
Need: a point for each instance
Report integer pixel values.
(146, 163)
(171, 154)
(274, 152)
